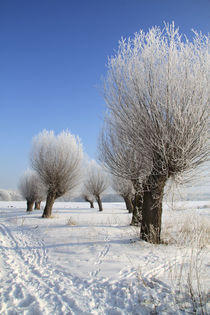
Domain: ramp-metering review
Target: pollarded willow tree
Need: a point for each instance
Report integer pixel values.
(31, 188)
(124, 188)
(96, 182)
(157, 92)
(88, 197)
(57, 160)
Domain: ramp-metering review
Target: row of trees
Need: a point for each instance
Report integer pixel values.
(156, 127)
(56, 173)
(59, 168)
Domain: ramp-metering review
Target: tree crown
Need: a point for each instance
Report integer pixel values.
(157, 91)
(57, 160)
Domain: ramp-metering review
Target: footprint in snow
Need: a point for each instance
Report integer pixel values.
(18, 294)
(27, 301)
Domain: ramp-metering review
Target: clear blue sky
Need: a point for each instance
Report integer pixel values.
(53, 55)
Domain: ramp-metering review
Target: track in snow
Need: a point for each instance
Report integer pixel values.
(31, 285)
(30, 282)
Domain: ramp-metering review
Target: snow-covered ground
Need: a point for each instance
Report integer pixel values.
(82, 261)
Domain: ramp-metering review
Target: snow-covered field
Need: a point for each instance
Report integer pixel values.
(82, 261)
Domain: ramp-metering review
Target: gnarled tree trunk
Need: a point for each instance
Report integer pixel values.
(30, 205)
(90, 202)
(152, 209)
(37, 205)
(128, 203)
(49, 204)
(98, 199)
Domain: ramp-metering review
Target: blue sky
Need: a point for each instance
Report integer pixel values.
(53, 56)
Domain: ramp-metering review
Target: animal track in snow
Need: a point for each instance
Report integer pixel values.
(100, 258)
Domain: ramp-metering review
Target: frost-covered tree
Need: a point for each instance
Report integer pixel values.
(88, 197)
(124, 188)
(157, 91)
(96, 182)
(57, 160)
(31, 188)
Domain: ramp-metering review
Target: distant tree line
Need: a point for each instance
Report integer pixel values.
(10, 195)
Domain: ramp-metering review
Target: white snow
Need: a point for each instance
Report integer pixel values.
(83, 261)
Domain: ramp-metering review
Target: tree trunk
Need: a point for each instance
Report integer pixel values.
(37, 205)
(98, 199)
(30, 205)
(49, 204)
(137, 209)
(128, 203)
(90, 201)
(152, 210)
(91, 204)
